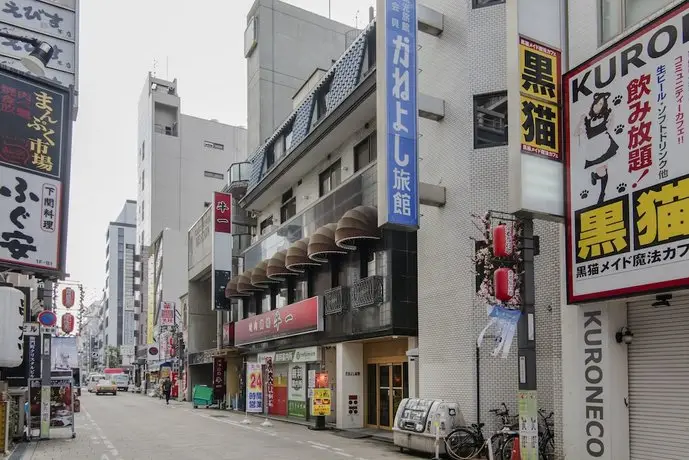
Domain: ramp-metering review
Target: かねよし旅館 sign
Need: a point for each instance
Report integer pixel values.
(298, 318)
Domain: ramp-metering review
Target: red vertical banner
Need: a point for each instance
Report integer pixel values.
(222, 212)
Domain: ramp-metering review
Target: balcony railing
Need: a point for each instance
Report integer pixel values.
(368, 291)
(336, 300)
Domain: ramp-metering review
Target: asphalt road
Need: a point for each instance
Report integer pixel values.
(136, 427)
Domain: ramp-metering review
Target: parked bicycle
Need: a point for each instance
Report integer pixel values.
(464, 443)
(546, 438)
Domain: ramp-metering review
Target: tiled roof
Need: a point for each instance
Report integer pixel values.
(345, 75)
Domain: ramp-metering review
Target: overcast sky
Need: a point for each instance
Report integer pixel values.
(201, 44)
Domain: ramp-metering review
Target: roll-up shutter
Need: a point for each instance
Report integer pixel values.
(659, 380)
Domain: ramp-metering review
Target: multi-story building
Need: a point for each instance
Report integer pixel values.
(624, 335)
(390, 313)
(181, 160)
(118, 301)
(276, 82)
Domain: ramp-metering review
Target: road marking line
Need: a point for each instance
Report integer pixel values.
(344, 454)
(318, 447)
(320, 444)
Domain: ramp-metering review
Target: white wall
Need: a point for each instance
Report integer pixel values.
(350, 372)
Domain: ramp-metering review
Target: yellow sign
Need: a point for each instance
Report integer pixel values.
(320, 403)
(539, 98)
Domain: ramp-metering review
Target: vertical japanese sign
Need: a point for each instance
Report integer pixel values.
(34, 173)
(254, 388)
(627, 174)
(219, 366)
(539, 98)
(166, 316)
(398, 182)
(222, 249)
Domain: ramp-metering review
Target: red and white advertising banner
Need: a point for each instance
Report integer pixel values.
(295, 319)
(627, 173)
(167, 314)
(222, 249)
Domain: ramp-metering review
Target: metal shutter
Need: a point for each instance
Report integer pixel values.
(659, 380)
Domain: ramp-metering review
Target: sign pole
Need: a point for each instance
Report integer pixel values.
(45, 381)
(526, 337)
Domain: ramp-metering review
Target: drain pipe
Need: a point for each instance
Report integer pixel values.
(478, 385)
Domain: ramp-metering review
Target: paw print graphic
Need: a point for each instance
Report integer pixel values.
(622, 187)
(584, 194)
(619, 129)
(617, 100)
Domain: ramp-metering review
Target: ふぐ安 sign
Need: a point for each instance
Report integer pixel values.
(295, 319)
(35, 131)
(398, 181)
(627, 173)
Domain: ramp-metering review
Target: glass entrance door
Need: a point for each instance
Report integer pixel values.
(387, 386)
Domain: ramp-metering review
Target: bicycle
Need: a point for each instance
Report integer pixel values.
(546, 439)
(466, 443)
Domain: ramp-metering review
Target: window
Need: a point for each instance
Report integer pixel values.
(329, 179)
(279, 147)
(482, 3)
(490, 120)
(213, 145)
(619, 15)
(289, 206)
(369, 59)
(320, 106)
(143, 206)
(142, 179)
(143, 150)
(365, 152)
(214, 175)
(266, 224)
(288, 137)
(269, 157)
(206, 204)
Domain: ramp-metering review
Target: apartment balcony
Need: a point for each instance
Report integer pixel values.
(238, 176)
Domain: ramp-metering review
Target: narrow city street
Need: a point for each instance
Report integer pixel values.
(134, 427)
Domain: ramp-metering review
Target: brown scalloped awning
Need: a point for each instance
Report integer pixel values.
(259, 277)
(297, 256)
(231, 288)
(360, 223)
(322, 244)
(244, 284)
(276, 269)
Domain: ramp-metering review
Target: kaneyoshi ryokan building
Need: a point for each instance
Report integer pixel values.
(362, 262)
(626, 343)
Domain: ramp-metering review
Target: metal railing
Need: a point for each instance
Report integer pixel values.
(336, 300)
(367, 291)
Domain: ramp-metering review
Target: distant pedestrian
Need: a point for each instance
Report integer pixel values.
(167, 388)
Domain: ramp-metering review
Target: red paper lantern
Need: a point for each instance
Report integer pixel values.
(503, 282)
(502, 241)
(171, 341)
(68, 297)
(67, 322)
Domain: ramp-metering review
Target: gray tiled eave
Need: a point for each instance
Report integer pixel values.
(364, 90)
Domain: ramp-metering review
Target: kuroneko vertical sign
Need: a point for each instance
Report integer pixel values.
(539, 96)
(222, 248)
(35, 130)
(398, 182)
(627, 171)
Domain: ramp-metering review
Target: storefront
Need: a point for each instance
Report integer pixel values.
(288, 373)
(386, 380)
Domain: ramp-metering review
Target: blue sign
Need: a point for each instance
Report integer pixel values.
(402, 187)
(47, 318)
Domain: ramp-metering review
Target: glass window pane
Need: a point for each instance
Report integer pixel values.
(490, 120)
(397, 376)
(371, 393)
(384, 376)
(638, 10)
(405, 368)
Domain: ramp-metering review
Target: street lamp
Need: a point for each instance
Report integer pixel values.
(39, 58)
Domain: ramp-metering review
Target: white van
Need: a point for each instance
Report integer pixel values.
(93, 380)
